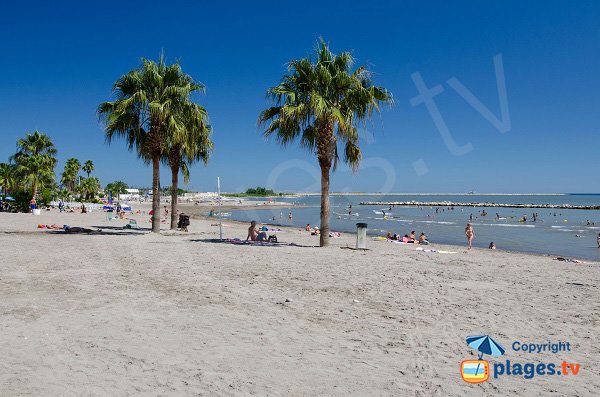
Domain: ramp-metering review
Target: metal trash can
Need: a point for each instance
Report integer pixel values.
(361, 236)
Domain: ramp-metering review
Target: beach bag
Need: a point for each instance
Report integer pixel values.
(272, 238)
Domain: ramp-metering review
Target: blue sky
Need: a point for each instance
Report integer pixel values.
(60, 59)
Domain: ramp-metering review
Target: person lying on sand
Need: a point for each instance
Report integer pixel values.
(253, 233)
(76, 229)
(560, 258)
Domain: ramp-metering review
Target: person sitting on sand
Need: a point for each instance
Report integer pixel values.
(492, 246)
(389, 236)
(254, 234)
(307, 228)
(423, 239)
(413, 237)
(470, 233)
(406, 239)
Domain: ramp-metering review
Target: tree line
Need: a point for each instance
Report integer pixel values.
(320, 102)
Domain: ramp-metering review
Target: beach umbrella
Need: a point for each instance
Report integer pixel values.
(485, 345)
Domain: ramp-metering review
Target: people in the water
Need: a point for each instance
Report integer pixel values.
(470, 233)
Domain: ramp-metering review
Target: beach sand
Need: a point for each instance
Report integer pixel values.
(133, 313)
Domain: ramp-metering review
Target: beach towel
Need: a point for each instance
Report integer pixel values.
(435, 251)
(237, 241)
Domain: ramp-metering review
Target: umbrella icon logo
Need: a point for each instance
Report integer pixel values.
(478, 371)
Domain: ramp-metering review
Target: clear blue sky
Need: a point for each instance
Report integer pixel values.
(59, 61)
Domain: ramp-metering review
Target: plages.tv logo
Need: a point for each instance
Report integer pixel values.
(478, 371)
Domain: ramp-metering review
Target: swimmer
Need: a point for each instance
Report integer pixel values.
(470, 233)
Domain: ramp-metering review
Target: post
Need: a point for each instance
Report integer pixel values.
(361, 236)
(219, 198)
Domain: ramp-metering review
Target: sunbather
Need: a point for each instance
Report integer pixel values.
(77, 229)
(254, 234)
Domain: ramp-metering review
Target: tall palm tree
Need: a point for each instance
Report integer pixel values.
(69, 175)
(188, 143)
(144, 111)
(7, 177)
(35, 160)
(88, 167)
(321, 102)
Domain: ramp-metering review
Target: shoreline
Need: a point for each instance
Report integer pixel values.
(372, 236)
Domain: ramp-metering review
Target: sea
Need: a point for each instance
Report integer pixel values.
(556, 232)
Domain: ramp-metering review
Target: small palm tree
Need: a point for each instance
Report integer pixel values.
(188, 143)
(88, 167)
(320, 103)
(35, 161)
(90, 187)
(117, 188)
(7, 177)
(143, 112)
(69, 175)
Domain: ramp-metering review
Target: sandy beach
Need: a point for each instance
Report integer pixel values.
(127, 312)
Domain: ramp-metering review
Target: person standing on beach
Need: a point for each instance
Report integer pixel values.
(33, 203)
(470, 233)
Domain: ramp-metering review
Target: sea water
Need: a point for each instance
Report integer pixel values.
(555, 231)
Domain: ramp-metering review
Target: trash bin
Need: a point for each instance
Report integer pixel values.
(361, 236)
(37, 211)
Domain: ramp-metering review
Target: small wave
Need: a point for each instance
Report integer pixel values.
(500, 224)
(438, 222)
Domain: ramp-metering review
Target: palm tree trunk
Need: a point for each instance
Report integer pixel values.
(174, 184)
(324, 236)
(156, 194)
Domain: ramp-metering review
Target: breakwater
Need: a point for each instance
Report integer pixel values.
(478, 205)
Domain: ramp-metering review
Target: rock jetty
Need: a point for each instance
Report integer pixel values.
(486, 204)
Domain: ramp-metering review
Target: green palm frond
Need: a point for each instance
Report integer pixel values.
(323, 100)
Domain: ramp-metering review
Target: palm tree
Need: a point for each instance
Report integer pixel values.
(117, 188)
(7, 177)
(320, 103)
(69, 175)
(189, 142)
(88, 167)
(35, 161)
(89, 187)
(144, 111)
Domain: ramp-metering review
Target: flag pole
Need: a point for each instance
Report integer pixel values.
(220, 221)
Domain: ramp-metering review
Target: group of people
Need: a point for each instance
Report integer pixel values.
(317, 232)
(409, 238)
